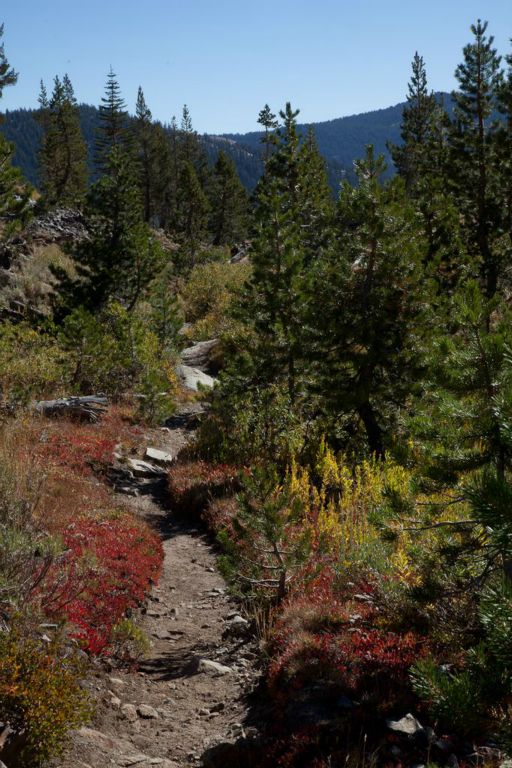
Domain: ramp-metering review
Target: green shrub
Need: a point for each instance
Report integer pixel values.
(31, 364)
(128, 641)
(116, 352)
(207, 298)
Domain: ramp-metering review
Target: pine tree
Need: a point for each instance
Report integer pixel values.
(63, 168)
(8, 76)
(464, 425)
(267, 119)
(121, 257)
(503, 161)
(113, 123)
(289, 225)
(192, 212)
(411, 158)
(145, 147)
(13, 192)
(368, 286)
(422, 160)
(229, 203)
(479, 78)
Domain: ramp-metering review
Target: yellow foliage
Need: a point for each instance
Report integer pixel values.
(340, 503)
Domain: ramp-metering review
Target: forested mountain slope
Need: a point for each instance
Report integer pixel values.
(341, 141)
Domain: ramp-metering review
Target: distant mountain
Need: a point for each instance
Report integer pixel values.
(341, 141)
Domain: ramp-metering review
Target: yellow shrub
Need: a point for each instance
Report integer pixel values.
(342, 500)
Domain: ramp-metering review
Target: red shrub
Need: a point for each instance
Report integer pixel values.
(194, 484)
(107, 569)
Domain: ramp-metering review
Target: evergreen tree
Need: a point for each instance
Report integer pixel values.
(503, 161)
(121, 257)
(13, 192)
(418, 118)
(192, 212)
(365, 338)
(113, 129)
(229, 203)
(63, 168)
(422, 160)
(479, 78)
(267, 119)
(289, 225)
(8, 76)
(145, 146)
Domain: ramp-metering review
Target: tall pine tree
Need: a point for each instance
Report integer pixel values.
(63, 154)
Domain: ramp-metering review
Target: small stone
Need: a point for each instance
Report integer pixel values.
(115, 702)
(147, 712)
(204, 712)
(213, 668)
(218, 707)
(407, 724)
(130, 712)
(116, 681)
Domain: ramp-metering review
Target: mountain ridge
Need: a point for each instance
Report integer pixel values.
(341, 141)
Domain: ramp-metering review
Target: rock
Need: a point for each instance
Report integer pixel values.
(147, 712)
(130, 712)
(193, 378)
(201, 355)
(213, 668)
(130, 760)
(116, 681)
(115, 702)
(218, 707)
(407, 724)
(144, 469)
(161, 457)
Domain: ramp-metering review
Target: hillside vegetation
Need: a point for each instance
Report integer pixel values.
(350, 400)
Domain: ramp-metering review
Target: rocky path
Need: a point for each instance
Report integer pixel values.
(191, 691)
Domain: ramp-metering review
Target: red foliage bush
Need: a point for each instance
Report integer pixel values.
(79, 451)
(335, 633)
(106, 570)
(194, 484)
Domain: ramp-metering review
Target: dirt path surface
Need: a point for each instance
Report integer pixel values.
(192, 690)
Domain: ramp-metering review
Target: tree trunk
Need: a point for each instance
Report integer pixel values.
(373, 430)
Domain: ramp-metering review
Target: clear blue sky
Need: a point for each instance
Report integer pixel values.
(226, 58)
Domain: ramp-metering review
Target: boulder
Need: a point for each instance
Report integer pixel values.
(193, 378)
(201, 355)
(160, 457)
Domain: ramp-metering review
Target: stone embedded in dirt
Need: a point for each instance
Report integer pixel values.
(407, 724)
(147, 712)
(115, 702)
(161, 457)
(129, 760)
(218, 707)
(116, 681)
(130, 712)
(144, 468)
(213, 668)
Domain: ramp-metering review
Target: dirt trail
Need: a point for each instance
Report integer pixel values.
(178, 704)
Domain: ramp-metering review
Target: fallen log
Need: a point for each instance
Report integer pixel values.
(87, 408)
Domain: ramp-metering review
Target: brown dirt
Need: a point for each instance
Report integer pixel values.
(189, 616)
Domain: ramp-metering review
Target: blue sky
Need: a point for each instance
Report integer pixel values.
(226, 58)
